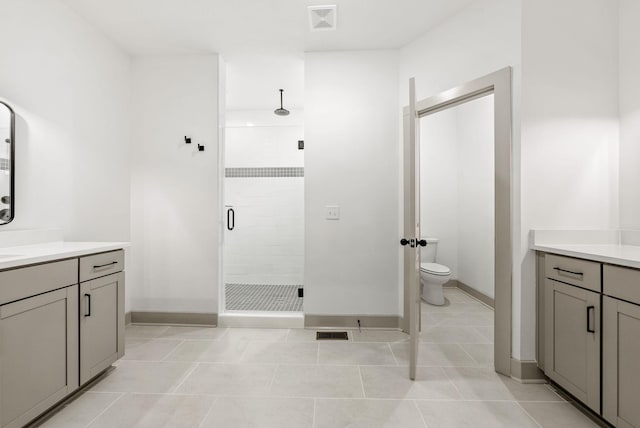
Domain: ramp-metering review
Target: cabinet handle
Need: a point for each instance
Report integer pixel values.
(104, 265)
(88, 313)
(568, 271)
(589, 329)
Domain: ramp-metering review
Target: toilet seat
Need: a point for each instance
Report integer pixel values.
(435, 269)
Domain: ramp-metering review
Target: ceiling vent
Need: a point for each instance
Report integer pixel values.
(322, 18)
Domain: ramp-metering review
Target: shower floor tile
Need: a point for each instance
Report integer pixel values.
(263, 297)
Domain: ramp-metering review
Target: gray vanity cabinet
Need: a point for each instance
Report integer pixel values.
(621, 350)
(38, 339)
(101, 314)
(572, 324)
(573, 341)
(591, 357)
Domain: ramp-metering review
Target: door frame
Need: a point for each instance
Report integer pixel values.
(497, 83)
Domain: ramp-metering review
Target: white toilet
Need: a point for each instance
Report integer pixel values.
(432, 274)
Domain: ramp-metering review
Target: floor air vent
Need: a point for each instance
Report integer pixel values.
(331, 335)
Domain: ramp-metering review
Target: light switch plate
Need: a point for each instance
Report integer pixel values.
(332, 212)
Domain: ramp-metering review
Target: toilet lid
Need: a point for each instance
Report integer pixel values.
(435, 268)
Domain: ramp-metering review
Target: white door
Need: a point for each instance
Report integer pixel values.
(411, 240)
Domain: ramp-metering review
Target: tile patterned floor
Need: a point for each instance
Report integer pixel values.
(215, 377)
(263, 297)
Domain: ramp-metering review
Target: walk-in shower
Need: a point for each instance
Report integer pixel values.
(263, 258)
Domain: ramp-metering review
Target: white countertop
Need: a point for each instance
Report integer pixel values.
(11, 257)
(618, 247)
(622, 255)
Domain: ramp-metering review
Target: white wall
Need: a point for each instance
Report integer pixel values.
(174, 197)
(629, 93)
(569, 130)
(253, 81)
(69, 87)
(476, 200)
(351, 160)
(457, 190)
(266, 245)
(480, 39)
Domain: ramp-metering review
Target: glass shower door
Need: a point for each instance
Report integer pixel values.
(264, 215)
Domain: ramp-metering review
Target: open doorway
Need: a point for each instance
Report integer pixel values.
(475, 119)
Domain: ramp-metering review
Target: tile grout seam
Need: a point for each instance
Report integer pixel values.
(206, 415)
(188, 373)
(364, 395)
(535, 421)
(415, 403)
(105, 409)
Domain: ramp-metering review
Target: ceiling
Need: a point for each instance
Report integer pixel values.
(241, 27)
(262, 42)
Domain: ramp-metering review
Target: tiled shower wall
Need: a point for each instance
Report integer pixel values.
(264, 183)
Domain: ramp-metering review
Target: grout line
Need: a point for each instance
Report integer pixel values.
(453, 383)
(467, 352)
(364, 395)
(244, 352)
(528, 414)
(106, 408)
(394, 355)
(222, 336)
(415, 403)
(166, 357)
(186, 375)
(313, 421)
(215, 400)
(261, 395)
(318, 354)
(176, 394)
(273, 378)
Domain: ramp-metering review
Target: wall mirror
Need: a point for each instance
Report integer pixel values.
(7, 170)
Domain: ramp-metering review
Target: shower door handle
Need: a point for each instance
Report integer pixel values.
(231, 219)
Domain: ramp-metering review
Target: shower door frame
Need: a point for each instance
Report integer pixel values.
(499, 84)
(250, 319)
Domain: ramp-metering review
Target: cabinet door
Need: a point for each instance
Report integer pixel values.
(621, 357)
(573, 340)
(38, 354)
(101, 324)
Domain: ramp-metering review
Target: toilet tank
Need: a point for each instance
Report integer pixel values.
(428, 253)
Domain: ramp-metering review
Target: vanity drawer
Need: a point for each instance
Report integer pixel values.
(622, 283)
(102, 264)
(23, 282)
(578, 272)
